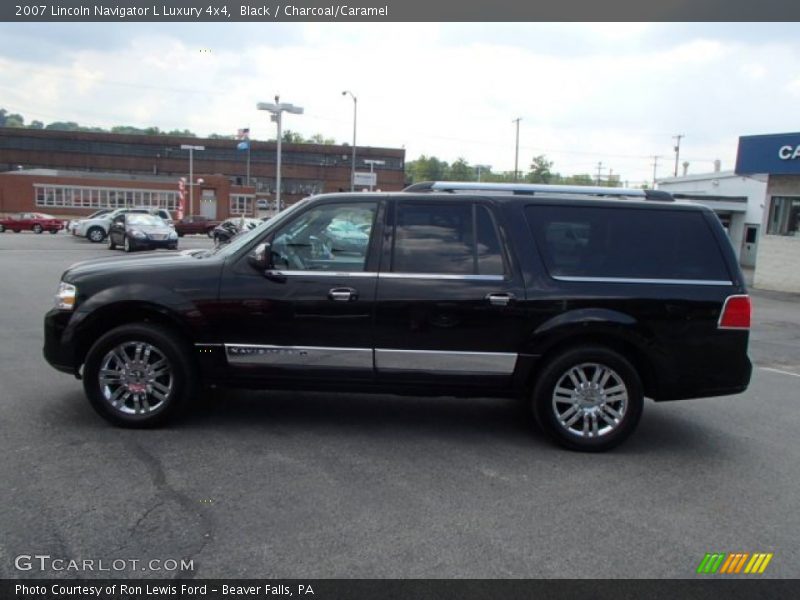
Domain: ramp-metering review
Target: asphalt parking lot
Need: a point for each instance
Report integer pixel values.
(260, 484)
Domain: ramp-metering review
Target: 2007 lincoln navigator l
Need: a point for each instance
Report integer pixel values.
(581, 301)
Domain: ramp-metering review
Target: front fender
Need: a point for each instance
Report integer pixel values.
(115, 303)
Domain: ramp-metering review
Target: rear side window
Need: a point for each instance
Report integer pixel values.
(626, 243)
(448, 239)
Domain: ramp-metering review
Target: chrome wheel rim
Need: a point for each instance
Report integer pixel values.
(136, 378)
(96, 235)
(127, 245)
(590, 400)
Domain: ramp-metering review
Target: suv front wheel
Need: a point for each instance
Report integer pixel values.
(588, 399)
(138, 375)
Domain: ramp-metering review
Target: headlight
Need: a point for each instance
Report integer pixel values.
(137, 234)
(173, 235)
(65, 297)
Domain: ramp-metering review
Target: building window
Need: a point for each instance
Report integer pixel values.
(91, 197)
(784, 216)
(241, 204)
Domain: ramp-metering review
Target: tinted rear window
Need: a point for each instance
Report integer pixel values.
(626, 243)
(446, 239)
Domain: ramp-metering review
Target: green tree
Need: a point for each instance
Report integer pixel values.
(426, 168)
(63, 126)
(460, 170)
(318, 138)
(292, 137)
(540, 170)
(13, 120)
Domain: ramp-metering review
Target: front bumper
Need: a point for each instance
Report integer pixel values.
(59, 350)
(148, 243)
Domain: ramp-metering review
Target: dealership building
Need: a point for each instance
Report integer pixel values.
(776, 158)
(69, 173)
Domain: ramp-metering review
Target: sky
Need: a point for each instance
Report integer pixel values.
(614, 93)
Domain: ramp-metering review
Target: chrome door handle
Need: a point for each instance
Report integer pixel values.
(501, 299)
(343, 294)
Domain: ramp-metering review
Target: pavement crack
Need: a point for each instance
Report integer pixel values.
(167, 492)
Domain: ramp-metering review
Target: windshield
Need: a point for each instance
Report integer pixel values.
(243, 239)
(146, 220)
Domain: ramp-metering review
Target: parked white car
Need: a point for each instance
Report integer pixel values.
(95, 228)
(75, 223)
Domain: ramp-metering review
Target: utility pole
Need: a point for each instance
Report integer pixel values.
(516, 149)
(655, 167)
(599, 171)
(677, 149)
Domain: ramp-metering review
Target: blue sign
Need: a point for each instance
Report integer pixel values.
(777, 154)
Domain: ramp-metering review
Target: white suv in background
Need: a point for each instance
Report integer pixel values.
(96, 229)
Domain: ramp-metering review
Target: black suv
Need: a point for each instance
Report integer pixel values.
(582, 301)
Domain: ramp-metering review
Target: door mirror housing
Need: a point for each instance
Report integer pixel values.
(261, 257)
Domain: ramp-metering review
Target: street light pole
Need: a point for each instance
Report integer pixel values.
(277, 109)
(191, 150)
(353, 160)
(516, 149)
(677, 149)
(372, 164)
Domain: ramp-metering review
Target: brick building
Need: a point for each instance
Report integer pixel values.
(74, 173)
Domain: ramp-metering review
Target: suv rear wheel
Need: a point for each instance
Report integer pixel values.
(588, 399)
(138, 375)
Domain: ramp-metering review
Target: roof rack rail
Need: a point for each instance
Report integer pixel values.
(531, 189)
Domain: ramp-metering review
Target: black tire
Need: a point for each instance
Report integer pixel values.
(37, 228)
(2, 228)
(95, 235)
(181, 367)
(111, 244)
(127, 244)
(588, 360)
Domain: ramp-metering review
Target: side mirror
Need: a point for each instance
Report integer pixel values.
(260, 257)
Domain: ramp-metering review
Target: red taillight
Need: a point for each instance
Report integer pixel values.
(735, 313)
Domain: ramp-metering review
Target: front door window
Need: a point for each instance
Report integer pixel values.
(331, 237)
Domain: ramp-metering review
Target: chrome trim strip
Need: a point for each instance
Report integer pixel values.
(650, 281)
(443, 361)
(441, 276)
(291, 273)
(280, 272)
(299, 356)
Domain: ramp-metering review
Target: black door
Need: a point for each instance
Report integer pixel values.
(448, 304)
(310, 315)
(116, 231)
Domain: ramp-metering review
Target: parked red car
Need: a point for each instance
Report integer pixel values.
(195, 224)
(36, 222)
